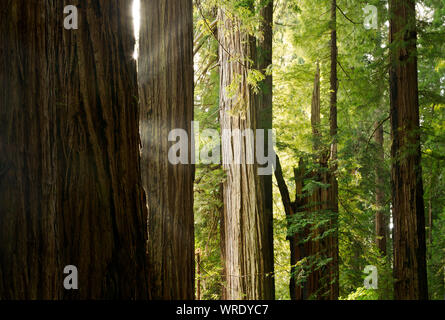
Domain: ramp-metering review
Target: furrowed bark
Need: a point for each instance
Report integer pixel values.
(406, 177)
(265, 110)
(72, 194)
(165, 74)
(333, 196)
(246, 228)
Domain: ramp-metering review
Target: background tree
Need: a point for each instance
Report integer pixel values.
(265, 119)
(407, 189)
(245, 222)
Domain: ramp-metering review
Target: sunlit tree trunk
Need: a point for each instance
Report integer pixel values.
(70, 191)
(264, 57)
(165, 74)
(406, 178)
(245, 223)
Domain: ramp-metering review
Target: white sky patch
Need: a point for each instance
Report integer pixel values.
(136, 12)
(424, 13)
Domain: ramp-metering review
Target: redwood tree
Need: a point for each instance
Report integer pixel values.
(406, 177)
(265, 108)
(165, 74)
(245, 225)
(70, 191)
(332, 240)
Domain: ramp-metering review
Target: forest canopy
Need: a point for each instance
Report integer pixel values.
(222, 150)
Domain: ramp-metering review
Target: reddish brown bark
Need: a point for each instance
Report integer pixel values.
(333, 268)
(406, 177)
(165, 74)
(71, 193)
(245, 222)
(265, 110)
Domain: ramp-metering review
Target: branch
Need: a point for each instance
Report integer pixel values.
(198, 4)
(375, 129)
(284, 191)
(338, 61)
(197, 43)
(346, 15)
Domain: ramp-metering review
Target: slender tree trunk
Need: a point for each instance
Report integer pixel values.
(198, 275)
(406, 178)
(333, 197)
(296, 292)
(265, 122)
(71, 193)
(245, 222)
(166, 95)
(316, 112)
(222, 245)
(381, 222)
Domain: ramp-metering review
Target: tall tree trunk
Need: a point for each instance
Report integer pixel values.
(333, 197)
(222, 245)
(71, 193)
(198, 274)
(381, 222)
(296, 291)
(316, 112)
(166, 93)
(406, 178)
(265, 122)
(245, 222)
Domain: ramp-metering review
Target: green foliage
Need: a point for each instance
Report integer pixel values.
(362, 294)
(301, 39)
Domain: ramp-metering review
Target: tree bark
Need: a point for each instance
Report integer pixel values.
(333, 196)
(406, 177)
(245, 222)
(166, 87)
(381, 221)
(316, 112)
(71, 194)
(265, 110)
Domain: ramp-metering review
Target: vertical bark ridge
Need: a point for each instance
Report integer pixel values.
(166, 97)
(76, 156)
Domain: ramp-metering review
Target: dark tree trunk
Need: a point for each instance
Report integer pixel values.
(265, 107)
(406, 178)
(381, 221)
(222, 245)
(333, 190)
(296, 292)
(245, 222)
(71, 193)
(166, 96)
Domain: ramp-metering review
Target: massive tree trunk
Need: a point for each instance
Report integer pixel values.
(245, 223)
(381, 221)
(333, 197)
(166, 96)
(406, 177)
(70, 190)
